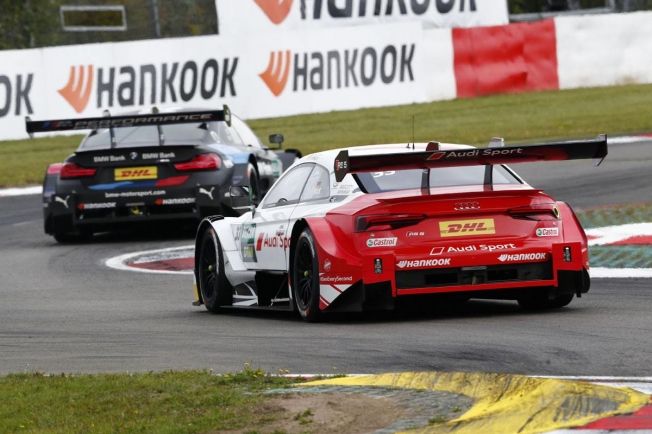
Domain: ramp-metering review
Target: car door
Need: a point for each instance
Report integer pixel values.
(269, 226)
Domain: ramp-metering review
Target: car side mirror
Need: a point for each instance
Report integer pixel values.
(277, 140)
(242, 199)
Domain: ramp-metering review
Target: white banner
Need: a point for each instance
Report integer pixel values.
(252, 17)
(604, 50)
(317, 71)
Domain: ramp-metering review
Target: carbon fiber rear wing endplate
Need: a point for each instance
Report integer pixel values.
(152, 119)
(572, 150)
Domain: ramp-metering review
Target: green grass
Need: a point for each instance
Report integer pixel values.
(166, 402)
(516, 117)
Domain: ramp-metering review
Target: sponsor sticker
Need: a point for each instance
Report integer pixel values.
(547, 232)
(381, 242)
(480, 248)
(521, 257)
(127, 194)
(335, 279)
(129, 173)
(462, 228)
(109, 158)
(97, 205)
(271, 241)
(412, 234)
(175, 201)
(247, 239)
(157, 155)
(327, 265)
(424, 263)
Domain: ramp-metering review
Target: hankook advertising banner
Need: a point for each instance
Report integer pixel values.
(369, 66)
(246, 17)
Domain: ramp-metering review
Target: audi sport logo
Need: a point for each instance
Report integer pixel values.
(466, 206)
(424, 263)
(520, 257)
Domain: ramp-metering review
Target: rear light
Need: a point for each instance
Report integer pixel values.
(72, 171)
(385, 222)
(54, 169)
(200, 162)
(544, 211)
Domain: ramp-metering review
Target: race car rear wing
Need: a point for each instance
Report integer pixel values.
(434, 158)
(152, 119)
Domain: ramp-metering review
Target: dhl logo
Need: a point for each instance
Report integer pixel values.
(461, 228)
(128, 173)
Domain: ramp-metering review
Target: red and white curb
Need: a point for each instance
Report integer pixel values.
(171, 260)
(633, 234)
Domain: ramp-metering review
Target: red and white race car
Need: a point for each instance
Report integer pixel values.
(357, 229)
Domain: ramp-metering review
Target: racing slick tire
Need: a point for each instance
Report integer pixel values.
(540, 300)
(305, 277)
(254, 184)
(215, 289)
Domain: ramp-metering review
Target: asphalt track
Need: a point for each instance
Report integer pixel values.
(62, 310)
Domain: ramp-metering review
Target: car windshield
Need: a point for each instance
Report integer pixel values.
(181, 134)
(376, 182)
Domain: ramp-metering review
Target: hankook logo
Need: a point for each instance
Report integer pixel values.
(77, 90)
(139, 85)
(337, 69)
(276, 10)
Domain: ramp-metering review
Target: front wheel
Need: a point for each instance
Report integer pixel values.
(214, 287)
(305, 277)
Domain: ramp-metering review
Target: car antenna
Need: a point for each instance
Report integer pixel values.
(161, 136)
(408, 145)
(413, 132)
(107, 114)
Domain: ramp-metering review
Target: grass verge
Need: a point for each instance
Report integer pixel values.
(516, 117)
(166, 402)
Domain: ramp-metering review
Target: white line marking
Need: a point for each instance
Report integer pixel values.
(621, 273)
(24, 191)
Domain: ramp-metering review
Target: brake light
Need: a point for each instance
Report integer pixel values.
(387, 222)
(544, 211)
(72, 171)
(200, 162)
(54, 169)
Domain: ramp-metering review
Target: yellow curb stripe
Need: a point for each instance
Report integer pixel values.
(509, 403)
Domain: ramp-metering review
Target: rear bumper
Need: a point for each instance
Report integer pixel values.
(102, 209)
(381, 279)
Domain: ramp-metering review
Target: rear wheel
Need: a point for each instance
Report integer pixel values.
(305, 277)
(540, 300)
(215, 289)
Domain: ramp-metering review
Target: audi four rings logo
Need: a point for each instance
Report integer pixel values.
(466, 206)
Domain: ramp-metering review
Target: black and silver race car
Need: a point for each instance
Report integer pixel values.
(176, 165)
